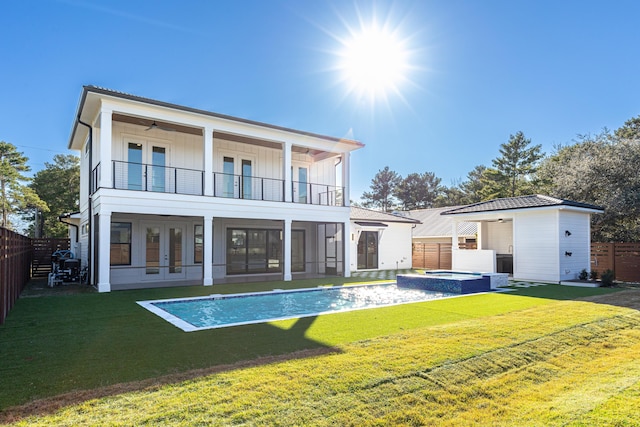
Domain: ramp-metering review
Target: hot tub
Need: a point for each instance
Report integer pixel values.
(446, 281)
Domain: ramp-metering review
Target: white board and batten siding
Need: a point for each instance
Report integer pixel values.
(544, 252)
(536, 243)
(575, 246)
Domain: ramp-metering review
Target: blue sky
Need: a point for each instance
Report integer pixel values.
(478, 71)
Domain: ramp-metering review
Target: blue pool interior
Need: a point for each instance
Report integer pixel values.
(216, 311)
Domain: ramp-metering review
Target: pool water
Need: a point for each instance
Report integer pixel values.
(219, 311)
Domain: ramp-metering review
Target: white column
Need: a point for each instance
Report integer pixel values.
(104, 252)
(207, 251)
(106, 168)
(208, 161)
(286, 164)
(346, 254)
(286, 249)
(346, 182)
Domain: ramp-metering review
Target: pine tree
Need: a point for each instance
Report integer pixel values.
(14, 195)
(513, 171)
(419, 191)
(382, 189)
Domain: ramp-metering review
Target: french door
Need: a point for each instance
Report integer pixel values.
(238, 177)
(164, 251)
(368, 250)
(147, 166)
(300, 178)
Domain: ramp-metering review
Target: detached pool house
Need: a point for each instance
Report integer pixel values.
(173, 195)
(533, 238)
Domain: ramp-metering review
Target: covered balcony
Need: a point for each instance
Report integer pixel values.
(163, 157)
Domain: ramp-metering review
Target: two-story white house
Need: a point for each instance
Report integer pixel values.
(174, 195)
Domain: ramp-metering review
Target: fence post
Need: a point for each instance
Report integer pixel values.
(611, 254)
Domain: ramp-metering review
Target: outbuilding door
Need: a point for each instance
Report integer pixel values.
(368, 250)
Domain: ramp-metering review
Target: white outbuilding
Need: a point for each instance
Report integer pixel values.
(379, 240)
(533, 238)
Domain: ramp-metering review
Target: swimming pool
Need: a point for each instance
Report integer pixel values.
(219, 311)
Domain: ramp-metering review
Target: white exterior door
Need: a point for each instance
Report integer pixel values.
(237, 177)
(300, 178)
(147, 163)
(164, 251)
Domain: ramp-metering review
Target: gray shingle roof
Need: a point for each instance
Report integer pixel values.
(522, 202)
(362, 214)
(436, 225)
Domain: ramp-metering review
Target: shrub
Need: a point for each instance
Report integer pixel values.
(593, 275)
(607, 279)
(583, 274)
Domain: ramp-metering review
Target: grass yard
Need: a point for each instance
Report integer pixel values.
(536, 356)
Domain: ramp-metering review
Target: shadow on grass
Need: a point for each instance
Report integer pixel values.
(68, 348)
(115, 360)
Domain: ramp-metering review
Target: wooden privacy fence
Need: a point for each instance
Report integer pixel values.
(622, 258)
(15, 259)
(436, 256)
(42, 250)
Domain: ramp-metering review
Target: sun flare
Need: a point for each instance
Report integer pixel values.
(374, 62)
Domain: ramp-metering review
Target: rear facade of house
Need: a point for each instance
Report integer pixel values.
(172, 195)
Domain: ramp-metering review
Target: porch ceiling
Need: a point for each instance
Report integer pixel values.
(144, 122)
(147, 122)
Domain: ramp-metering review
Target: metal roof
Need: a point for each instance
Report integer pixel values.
(368, 215)
(521, 202)
(433, 224)
(122, 95)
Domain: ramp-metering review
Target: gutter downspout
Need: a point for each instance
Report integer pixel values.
(61, 217)
(90, 213)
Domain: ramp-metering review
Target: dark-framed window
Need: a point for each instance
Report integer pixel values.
(251, 251)
(298, 251)
(120, 243)
(198, 243)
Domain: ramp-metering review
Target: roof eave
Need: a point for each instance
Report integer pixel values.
(528, 208)
(120, 95)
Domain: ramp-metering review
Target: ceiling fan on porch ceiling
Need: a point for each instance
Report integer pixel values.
(155, 125)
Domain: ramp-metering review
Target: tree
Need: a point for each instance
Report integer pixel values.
(418, 191)
(58, 184)
(601, 170)
(472, 187)
(382, 189)
(513, 171)
(630, 129)
(450, 196)
(14, 195)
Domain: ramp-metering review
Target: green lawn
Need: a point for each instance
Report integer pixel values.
(531, 357)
